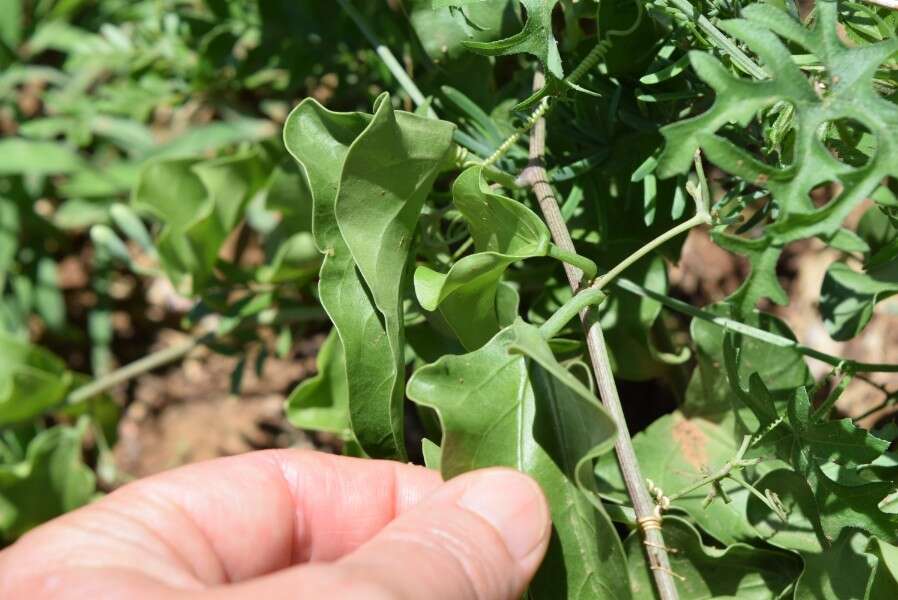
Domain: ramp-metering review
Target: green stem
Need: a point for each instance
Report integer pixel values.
(169, 355)
(764, 499)
(821, 413)
(138, 367)
(720, 40)
(736, 463)
(848, 365)
(699, 219)
(535, 116)
(569, 310)
(589, 268)
(386, 56)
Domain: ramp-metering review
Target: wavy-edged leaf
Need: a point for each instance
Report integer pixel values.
(51, 480)
(367, 176)
(32, 380)
(504, 232)
(848, 297)
(511, 404)
(321, 403)
(200, 202)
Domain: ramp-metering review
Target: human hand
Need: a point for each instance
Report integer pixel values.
(291, 524)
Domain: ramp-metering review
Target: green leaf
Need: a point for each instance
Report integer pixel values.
(850, 93)
(675, 452)
(535, 38)
(51, 480)
(802, 530)
(432, 454)
(848, 297)
(709, 393)
(9, 237)
(836, 565)
(32, 380)
(368, 188)
(830, 456)
(511, 404)
(841, 572)
(880, 232)
(763, 254)
(26, 157)
(200, 203)
(321, 403)
(203, 139)
(804, 440)
(738, 571)
(443, 27)
(11, 22)
(504, 232)
(884, 583)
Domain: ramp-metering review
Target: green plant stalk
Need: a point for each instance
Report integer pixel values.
(535, 116)
(721, 40)
(561, 317)
(699, 219)
(167, 356)
(144, 365)
(588, 62)
(643, 507)
(822, 412)
(589, 268)
(848, 365)
(736, 463)
(414, 92)
(386, 56)
(754, 492)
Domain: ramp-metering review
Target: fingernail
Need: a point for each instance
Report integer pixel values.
(514, 505)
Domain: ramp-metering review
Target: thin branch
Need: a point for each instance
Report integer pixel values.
(893, 4)
(535, 174)
(658, 241)
(589, 268)
(722, 41)
(847, 364)
(139, 367)
(738, 462)
(167, 356)
(386, 56)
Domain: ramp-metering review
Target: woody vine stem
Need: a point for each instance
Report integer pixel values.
(535, 175)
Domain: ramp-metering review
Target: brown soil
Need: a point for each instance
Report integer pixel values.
(189, 413)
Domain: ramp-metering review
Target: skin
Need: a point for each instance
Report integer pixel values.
(291, 524)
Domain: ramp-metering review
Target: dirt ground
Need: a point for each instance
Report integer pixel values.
(189, 412)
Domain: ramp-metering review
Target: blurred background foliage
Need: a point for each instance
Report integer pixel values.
(91, 92)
